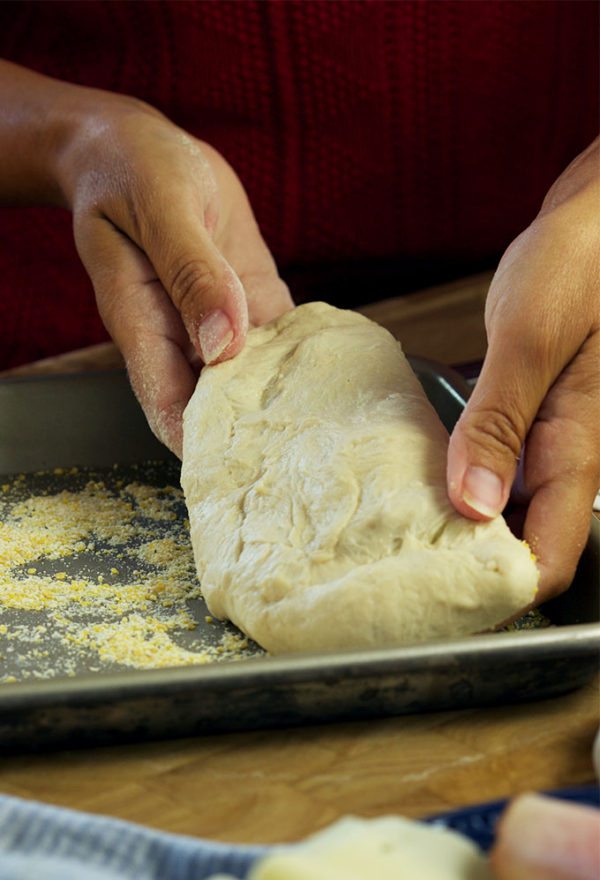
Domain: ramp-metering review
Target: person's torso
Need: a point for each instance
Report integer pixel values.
(382, 131)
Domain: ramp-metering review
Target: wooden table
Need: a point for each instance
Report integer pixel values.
(270, 786)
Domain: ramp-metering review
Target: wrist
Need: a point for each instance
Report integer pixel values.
(32, 128)
(49, 134)
(58, 129)
(87, 140)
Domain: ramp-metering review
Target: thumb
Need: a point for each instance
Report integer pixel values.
(172, 230)
(205, 290)
(486, 443)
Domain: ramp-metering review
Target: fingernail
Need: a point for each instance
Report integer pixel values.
(483, 491)
(214, 335)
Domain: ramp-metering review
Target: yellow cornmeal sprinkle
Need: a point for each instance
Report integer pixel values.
(138, 641)
(55, 526)
(126, 615)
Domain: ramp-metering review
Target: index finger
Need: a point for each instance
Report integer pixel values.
(145, 325)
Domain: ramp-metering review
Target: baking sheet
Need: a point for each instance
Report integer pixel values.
(58, 424)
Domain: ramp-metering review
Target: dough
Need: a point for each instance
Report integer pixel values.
(389, 848)
(314, 474)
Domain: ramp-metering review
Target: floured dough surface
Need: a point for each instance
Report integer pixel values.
(314, 474)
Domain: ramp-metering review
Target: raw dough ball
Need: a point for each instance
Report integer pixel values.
(314, 474)
(389, 848)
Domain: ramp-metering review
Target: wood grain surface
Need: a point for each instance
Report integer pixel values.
(443, 323)
(269, 786)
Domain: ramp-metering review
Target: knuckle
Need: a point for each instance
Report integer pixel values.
(496, 432)
(189, 283)
(130, 105)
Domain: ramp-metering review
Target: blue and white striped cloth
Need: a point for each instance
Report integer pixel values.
(43, 842)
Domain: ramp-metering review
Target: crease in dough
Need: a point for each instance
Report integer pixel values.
(314, 474)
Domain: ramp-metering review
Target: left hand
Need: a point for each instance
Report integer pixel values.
(538, 396)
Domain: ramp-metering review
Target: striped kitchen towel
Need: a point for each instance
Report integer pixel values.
(43, 842)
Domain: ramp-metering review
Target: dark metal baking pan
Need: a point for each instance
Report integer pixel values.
(93, 420)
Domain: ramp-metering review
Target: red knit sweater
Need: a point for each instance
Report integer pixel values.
(395, 134)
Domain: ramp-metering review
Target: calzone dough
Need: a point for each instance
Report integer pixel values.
(314, 474)
(389, 848)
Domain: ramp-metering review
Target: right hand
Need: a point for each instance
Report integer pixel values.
(168, 238)
(542, 838)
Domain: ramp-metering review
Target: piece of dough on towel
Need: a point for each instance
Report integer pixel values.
(314, 474)
(388, 848)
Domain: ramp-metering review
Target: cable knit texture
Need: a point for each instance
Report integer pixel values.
(361, 130)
